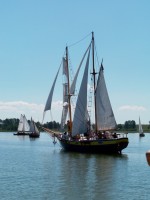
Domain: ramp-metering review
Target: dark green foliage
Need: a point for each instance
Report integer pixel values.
(130, 125)
(52, 125)
(119, 126)
(9, 124)
(12, 125)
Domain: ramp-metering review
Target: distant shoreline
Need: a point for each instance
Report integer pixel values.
(125, 132)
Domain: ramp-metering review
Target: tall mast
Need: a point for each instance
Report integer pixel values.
(94, 76)
(69, 96)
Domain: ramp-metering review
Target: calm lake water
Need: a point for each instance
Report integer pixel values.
(36, 169)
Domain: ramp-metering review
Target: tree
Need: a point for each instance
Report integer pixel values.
(130, 124)
(119, 126)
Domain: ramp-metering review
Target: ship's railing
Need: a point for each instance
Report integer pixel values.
(122, 135)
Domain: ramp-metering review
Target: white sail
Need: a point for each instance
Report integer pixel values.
(73, 85)
(36, 129)
(49, 100)
(26, 126)
(104, 112)
(80, 125)
(140, 126)
(20, 126)
(72, 88)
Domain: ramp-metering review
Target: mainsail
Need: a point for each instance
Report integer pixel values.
(20, 126)
(104, 112)
(33, 127)
(26, 126)
(23, 124)
(80, 125)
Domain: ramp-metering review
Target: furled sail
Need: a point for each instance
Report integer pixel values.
(104, 112)
(65, 105)
(20, 126)
(80, 125)
(65, 94)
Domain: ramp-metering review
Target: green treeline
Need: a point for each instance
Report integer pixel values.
(12, 125)
(131, 126)
(9, 124)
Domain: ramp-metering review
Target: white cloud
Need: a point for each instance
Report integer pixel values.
(19, 105)
(13, 109)
(57, 104)
(132, 108)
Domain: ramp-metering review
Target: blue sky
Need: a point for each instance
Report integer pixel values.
(33, 36)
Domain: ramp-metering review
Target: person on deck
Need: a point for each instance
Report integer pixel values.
(114, 135)
(104, 135)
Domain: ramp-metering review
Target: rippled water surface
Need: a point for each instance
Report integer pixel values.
(36, 169)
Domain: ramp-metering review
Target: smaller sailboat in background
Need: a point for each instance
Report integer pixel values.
(141, 133)
(34, 132)
(23, 127)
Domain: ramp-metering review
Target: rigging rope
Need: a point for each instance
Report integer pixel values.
(79, 40)
(96, 56)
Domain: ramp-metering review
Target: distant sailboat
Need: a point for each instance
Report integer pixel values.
(23, 127)
(34, 132)
(80, 137)
(141, 132)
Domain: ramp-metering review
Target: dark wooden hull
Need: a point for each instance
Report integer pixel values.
(34, 135)
(142, 134)
(95, 146)
(21, 133)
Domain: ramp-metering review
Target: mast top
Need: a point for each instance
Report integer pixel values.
(92, 35)
(66, 48)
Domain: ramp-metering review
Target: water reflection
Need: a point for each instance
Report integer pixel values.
(36, 169)
(93, 174)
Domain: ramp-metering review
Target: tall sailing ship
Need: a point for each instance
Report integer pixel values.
(23, 127)
(80, 136)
